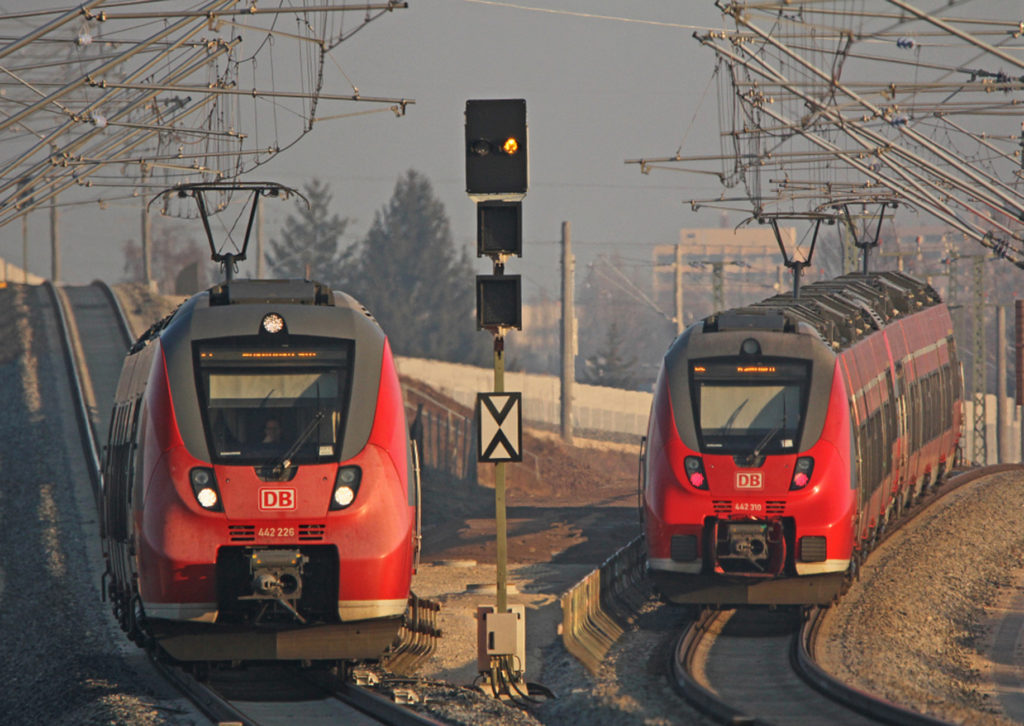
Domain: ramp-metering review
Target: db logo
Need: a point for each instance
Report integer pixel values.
(277, 499)
(749, 480)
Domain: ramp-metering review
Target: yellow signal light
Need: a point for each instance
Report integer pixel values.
(510, 146)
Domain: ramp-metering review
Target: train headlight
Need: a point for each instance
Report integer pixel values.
(204, 487)
(346, 486)
(273, 323)
(750, 347)
(802, 473)
(694, 467)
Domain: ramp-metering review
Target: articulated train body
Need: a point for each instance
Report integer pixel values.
(784, 435)
(259, 496)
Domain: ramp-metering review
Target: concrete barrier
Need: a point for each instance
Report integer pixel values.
(596, 610)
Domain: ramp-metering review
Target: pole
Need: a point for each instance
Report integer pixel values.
(718, 285)
(24, 248)
(980, 448)
(147, 266)
(54, 241)
(1018, 309)
(568, 333)
(260, 271)
(1002, 410)
(501, 544)
(679, 288)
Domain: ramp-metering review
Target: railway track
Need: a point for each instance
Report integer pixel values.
(759, 667)
(281, 695)
(94, 337)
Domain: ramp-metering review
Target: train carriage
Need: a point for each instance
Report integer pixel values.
(259, 496)
(784, 435)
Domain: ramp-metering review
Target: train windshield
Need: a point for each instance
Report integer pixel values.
(264, 406)
(744, 408)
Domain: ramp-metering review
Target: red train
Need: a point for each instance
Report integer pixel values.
(259, 497)
(784, 435)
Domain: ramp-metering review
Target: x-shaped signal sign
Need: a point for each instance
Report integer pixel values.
(499, 427)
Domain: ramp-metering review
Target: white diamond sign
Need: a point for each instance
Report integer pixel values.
(499, 427)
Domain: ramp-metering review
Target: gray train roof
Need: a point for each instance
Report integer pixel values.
(842, 310)
(236, 308)
(248, 292)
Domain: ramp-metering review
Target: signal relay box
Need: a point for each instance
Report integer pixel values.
(501, 634)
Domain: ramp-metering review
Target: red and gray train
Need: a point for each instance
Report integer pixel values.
(784, 436)
(259, 496)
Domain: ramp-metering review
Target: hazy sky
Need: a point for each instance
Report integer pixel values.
(598, 90)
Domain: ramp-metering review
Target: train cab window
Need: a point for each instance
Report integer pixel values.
(262, 406)
(743, 408)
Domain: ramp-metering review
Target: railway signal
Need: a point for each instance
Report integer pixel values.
(496, 150)
(496, 179)
(499, 302)
(499, 228)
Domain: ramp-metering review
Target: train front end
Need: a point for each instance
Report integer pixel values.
(749, 494)
(278, 517)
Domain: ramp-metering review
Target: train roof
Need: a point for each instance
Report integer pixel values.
(249, 292)
(842, 310)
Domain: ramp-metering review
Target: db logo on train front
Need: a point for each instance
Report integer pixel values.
(749, 480)
(277, 499)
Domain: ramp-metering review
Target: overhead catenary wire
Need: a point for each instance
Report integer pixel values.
(805, 127)
(107, 98)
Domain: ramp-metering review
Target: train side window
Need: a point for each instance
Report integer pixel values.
(120, 461)
(947, 401)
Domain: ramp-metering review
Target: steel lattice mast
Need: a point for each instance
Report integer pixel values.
(832, 103)
(110, 97)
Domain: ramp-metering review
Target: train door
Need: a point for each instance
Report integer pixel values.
(902, 434)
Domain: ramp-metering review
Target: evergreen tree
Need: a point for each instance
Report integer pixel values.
(622, 336)
(610, 366)
(310, 241)
(410, 276)
(172, 249)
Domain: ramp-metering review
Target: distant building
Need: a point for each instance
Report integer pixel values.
(723, 268)
(925, 252)
(537, 347)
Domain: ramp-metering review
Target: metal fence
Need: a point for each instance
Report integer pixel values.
(445, 436)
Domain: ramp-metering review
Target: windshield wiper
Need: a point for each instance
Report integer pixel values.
(732, 417)
(764, 441)
(286, 460)
(756, 453)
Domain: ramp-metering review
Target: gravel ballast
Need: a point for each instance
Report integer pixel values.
(62, 660)
(914, 629)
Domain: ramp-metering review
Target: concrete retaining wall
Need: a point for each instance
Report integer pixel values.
(595, 408)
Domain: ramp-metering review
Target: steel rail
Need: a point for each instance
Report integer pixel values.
(122, 318)
(802, 652)
(802, 661)
(380, 708)
(215, 707)
(681, 659)
(220, 709)
(88, 440)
